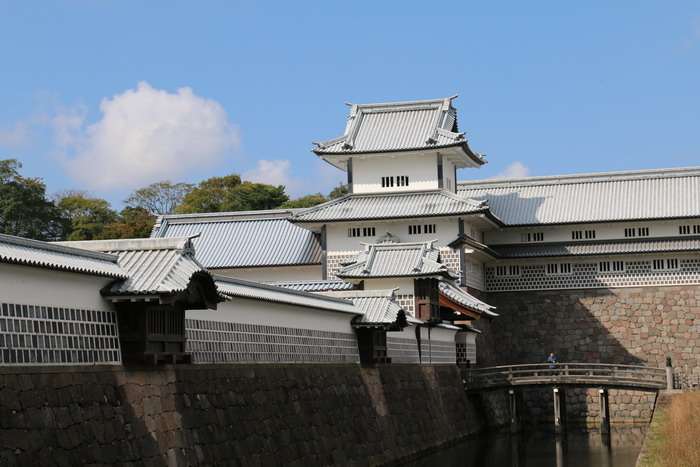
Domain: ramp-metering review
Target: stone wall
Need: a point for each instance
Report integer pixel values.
(217, 414)
(635, 326)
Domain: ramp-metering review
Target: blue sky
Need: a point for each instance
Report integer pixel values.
(109, 96)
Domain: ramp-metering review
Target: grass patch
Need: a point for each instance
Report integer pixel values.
(675, 434)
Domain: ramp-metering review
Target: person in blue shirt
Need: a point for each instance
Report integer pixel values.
(552, 361)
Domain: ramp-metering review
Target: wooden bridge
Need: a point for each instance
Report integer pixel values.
(514, 378)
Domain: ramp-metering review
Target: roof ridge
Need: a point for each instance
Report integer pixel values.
(56, 247)
(600, 177)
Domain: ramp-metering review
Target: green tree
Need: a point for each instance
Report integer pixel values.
(88, 216)
(159, 198)
(24, 209)
(131, 223)
(341, 190)
(229, 193)
(305, 201)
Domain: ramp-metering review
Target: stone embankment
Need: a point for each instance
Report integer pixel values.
(633, 326)
(260, 415)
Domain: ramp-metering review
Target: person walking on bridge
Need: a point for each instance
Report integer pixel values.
(552, 360)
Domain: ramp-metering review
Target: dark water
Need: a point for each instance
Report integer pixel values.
(540, 447)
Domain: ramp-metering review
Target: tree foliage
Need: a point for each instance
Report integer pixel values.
(305, 201)
(341, 190)
(87, 216)
(131, 223)
(229, 193)
(159, 198)
(24, 209)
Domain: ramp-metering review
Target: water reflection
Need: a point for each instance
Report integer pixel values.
(540, 447)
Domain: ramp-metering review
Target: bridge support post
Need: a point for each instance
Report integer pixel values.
(604, 411)
(515, 402)
(669, 374)
(559, 410)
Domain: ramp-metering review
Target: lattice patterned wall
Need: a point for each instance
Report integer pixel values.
(407, 302)
(333, 261)
(223, 342)
(402, 350)
(466, 352)
(588, 275)
(42, 335)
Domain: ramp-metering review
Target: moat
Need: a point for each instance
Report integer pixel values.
(538, 446)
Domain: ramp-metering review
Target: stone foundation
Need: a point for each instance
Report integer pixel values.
(218, 414)
(634, 326)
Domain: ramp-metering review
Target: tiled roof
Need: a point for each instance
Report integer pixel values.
(616, 196)
(313, 286)
(666, 245)
(154, 266)
(396, 260)
(257, 291)
(391, 206)
(378, 306)
(49, 255)
(400, 126)
(461, 297)
(244, 239)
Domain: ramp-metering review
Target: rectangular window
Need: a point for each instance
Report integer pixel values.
(418, 229)
(643, 231)
(630, 232)
(589, 234)
(514, 270)
(532, 237)
(672, 263)
(576, 234)
(501, 270)
(604, 266)
(657, 264)
(399, 180)
(696, 229)
(556, 268)
(684, 229)
(361, 232)
(618, 266)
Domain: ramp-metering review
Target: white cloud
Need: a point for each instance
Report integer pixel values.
(145, 135)
(14, 136)
(514, 170)
(279, 172)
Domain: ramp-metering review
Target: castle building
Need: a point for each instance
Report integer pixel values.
(451, 250)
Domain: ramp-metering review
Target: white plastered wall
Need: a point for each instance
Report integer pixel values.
(367, 172)
(28, 285)
(266, 313)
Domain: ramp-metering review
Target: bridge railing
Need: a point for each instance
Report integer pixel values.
(582, 374)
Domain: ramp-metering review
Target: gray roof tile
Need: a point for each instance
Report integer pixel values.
(400, 126)
(396, 260)
(668, 245)
(463, 298)
(616, 196)
(236, 240)
(391, 206)
(52, 256)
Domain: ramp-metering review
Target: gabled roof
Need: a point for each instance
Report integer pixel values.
(257, 291)
(603, 197)
(420, 259)
(244, 239)
(378, 306)
(399, 126)
(51, 256)
(155, 266)
(462, 298)
(371, 206)
(604, 247)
